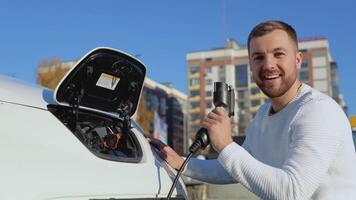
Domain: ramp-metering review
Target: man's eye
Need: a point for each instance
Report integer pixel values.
(258, 58)
(278, 54)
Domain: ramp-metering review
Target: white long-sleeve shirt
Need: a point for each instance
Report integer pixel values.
(304, 151)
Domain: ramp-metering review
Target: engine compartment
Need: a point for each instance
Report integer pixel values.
(105, 136)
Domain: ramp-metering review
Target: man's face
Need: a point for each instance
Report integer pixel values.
(274, 62)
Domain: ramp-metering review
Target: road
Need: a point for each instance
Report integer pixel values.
(229, 192)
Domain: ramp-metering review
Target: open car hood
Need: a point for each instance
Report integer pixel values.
(105, 79)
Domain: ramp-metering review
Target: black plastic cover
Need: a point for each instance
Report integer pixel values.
(105, 79)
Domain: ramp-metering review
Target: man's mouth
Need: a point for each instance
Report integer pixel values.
(271, 77)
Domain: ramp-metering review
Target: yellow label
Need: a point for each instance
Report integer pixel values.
(107, 81)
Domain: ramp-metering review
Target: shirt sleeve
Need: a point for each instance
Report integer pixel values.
(315, 141)
(210, 171)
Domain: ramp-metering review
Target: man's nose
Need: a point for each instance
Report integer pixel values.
(269, 62)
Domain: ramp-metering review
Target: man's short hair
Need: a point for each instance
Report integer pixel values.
(269, 26)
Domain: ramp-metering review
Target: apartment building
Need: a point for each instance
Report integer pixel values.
(169, 106)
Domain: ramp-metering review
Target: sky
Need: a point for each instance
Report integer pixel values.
(160, 33)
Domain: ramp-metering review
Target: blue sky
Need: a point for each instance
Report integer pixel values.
(161, 32)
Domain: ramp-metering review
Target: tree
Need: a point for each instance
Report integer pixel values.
(145, 116)
(50, 72)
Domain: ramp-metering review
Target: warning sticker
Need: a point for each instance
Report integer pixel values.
(108, 81)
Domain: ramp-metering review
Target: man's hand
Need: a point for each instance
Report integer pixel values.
(218, 124)
(167, 153)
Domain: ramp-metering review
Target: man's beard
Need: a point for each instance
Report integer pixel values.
(286, 84)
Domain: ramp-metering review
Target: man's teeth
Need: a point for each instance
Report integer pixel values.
(271, 76)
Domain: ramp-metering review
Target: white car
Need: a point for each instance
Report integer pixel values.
(80, 141)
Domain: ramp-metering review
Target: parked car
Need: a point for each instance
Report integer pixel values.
(80, 141)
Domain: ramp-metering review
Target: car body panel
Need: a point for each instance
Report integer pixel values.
(18, 92)
(42, 159)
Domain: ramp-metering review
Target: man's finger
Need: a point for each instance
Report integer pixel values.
(160, 152)
(205, 124)
(213, 115)
(220, 111)
(157, 143)
(209, 121)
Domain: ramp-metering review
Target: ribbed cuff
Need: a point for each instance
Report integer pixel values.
(230, 154)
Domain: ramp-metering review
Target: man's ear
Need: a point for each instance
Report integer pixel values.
(299, 59)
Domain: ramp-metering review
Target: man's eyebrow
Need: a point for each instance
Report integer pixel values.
(278, 49)
(256, 54)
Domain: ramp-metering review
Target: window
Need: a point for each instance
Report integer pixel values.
(208, 93)
(194, 93)
(194, 69)
(221, 73)
(255, 90)
(240, 94)
(194, 81)
(241, 105)
(303, 75)
(319, 54)
(304, 63)
(194, 116)
(241, 75)
(153, 102)
(255, 102)
(303, 50)
(162, 106)
(303, 72)
(208, 82)
(194, 104)
(208, 70)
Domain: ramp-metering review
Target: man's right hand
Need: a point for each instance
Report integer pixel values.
(167, 153)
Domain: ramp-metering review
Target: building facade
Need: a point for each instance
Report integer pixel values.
(169, 106)
(230, 64)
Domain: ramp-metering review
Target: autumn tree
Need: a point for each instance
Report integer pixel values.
(145, 116)
(50, 72)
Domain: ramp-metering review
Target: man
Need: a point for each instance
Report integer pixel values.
(298, 146)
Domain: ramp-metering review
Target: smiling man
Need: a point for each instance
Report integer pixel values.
(298, 146)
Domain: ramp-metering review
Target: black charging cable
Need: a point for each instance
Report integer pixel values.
(223, 96)
(179, 173)
(200, 142)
